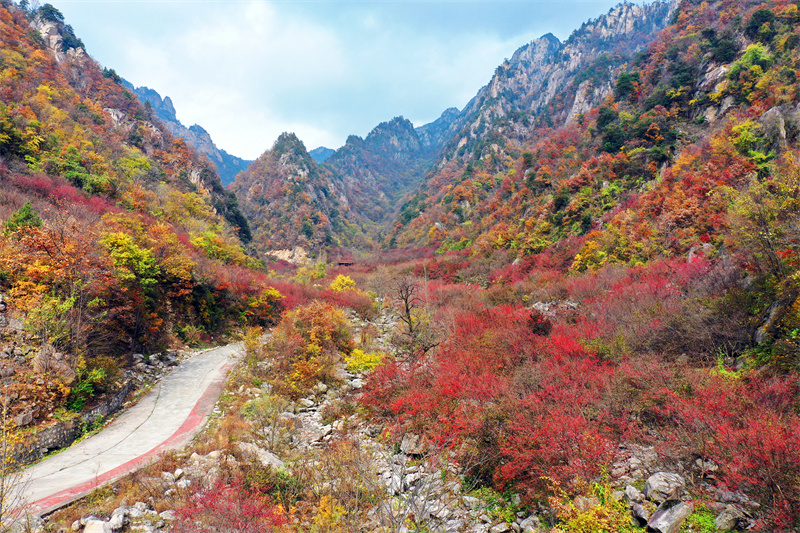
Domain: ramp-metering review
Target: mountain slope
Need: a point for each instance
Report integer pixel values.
(544, 85)
(380, 169)
(116, 236)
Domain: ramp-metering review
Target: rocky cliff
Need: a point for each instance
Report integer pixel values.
(520, 94)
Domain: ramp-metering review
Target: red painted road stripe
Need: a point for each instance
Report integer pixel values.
(196, 417)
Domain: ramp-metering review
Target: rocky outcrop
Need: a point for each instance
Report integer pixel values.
(523, 86)
(138, 517)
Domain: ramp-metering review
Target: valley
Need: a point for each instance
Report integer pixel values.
(571, 306)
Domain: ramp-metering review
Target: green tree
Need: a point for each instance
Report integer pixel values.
(132, 263)
(50, 13)
(24, 216)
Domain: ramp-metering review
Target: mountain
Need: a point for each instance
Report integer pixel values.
(344, 201)
(292, 200)
(378, 170)
(321, 153)
(226, 165)
(545, 84)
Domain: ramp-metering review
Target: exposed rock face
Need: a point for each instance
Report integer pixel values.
(53, 36)
(227, 165)
(432, 135)
(538, 71)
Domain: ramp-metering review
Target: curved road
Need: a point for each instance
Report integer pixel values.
(165, 418)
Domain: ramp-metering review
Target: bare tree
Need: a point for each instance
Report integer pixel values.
(420, 334)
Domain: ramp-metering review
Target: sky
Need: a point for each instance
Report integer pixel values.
(248, 70)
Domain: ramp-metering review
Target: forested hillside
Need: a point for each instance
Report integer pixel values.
(116, 236)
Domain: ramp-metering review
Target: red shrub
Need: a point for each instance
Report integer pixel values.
(229, 507)
(751, 429)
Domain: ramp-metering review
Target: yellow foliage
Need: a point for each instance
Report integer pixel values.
(598, 512)
(328, 513)
(342, 283)
(360, 361)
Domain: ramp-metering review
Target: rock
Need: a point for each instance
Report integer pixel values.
(532, 524)
(632, 494)
(23, 419)
(641, 512)
(76, 526)
(305, 403)
(669, 516)
(169, 477)
(141, 507)
(471, 502)
(117, 521)
(266, 458)
(169, 515)
(6, 372)
(178, 473)
(586, 503)
(129, 511)
(95, 525)
(729, 518)
(663, 485)
(706, 466)
(183, 483)
(502, 527)
(413, 445)
(290, 420)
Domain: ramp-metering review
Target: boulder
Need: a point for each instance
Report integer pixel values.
(669, 516)
(729, 518)
(266, 458)
(95, 525)
(117, 521)
(641, 512)
(662, 486)
(633, 495)
(169, 515)
(532, 524)
(23, 419)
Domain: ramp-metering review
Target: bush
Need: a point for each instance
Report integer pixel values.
(343, 283)
(307, 343)
(359, 361)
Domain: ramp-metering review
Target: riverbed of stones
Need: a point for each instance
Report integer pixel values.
(419, 487)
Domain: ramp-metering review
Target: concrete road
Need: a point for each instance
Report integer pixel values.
(165, 418)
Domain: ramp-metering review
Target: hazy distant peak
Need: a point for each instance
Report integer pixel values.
(321, 154)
